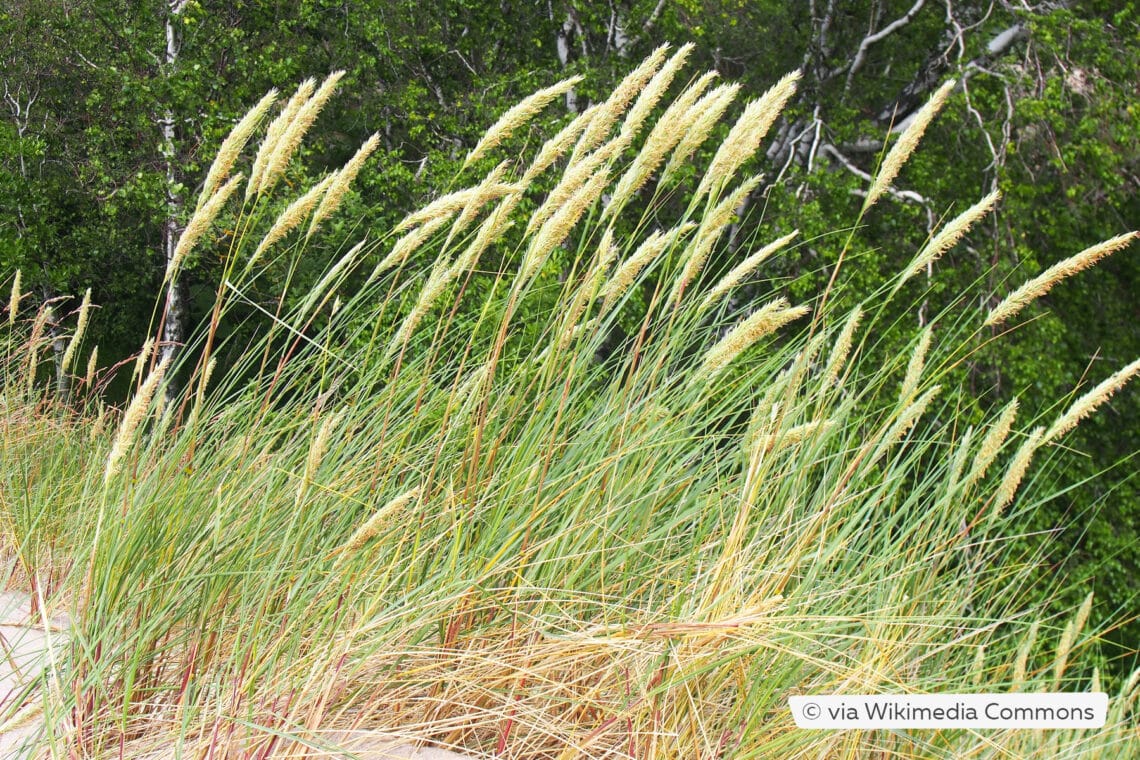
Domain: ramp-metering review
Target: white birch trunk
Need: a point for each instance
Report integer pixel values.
(174, 316)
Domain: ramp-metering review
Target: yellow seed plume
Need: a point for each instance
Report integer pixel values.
(553, 148)
(134, 415)
(1043, 283)
(143, 358)
(92, 364)
(555, 230)
(489, 231)
(746, 268)
(616, 104)
(518, 115)
(842, 348)
(697, 124)
(455, 202)
(1016, 470)
(408, 244)
(765, 320)
(14, 299)
(442, 274)
(1021, 661)
(341, 182)
(1088, 403)
(291, 217)
(948, 236)
(295, 132)
(906, 420)
(649, 250)
(915, 365)
(233, 145)
(575, 177)
(793, 435)
(317, 450)
(745, 136)
(992, 443)
(372, 526)
(198, 225)
(664, 136)
(712, 225)
(653, 91)
(80, 327)
(906, 144)
(1069, 637)
(274, 133)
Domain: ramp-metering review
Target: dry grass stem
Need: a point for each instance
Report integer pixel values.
(343, 179)
(763, 321)
(136, 411)
(906, 144)
(291, 217)
(746, 268)
(1088, 403)
(274, 133)
(233, 145)
(518, 115)
(949, 236)
(1016, 470)
(80, 327)
(992, 443)
(198, 225)
(746, 134)
(1043, 283)
(295, 132)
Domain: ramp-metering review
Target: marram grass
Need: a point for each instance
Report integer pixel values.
(502, 538)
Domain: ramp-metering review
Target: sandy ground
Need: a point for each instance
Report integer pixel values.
(26, 649)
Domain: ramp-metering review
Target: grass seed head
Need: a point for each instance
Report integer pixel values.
(518, 115)
(295, 132)
(343, 179)
(80, 327)
(745, 136)
(274, 133)
(233, 145)
(198, 224)
(763, 321)
(906, 144)
(992, 443)
(948, 236)
(14, 298)
(1088, 403)
(1043, 283)
(1016, 470)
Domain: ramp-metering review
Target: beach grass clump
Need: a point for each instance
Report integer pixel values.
(434, 501)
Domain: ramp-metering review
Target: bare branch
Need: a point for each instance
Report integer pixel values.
(871, 39)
